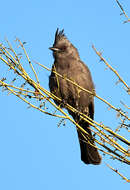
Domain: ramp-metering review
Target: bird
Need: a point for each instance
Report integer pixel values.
(68, 64)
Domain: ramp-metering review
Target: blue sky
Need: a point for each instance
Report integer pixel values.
(34, 152)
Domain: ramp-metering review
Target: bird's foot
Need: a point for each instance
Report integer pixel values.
(63, 103)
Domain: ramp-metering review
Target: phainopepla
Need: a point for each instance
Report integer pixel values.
(68, 64)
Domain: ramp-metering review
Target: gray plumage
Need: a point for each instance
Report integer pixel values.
(67, 63)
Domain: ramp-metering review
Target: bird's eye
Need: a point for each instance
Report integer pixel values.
(63, 48)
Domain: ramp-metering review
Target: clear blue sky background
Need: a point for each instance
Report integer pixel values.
(34, 153)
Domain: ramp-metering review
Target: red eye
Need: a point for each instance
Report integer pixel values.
(63, 48)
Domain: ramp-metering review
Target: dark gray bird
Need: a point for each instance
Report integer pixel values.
(67, 63)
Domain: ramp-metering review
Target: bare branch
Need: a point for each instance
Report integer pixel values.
(111, 68)
(123, 12)
(115, 170)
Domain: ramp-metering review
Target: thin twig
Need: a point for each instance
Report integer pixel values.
(29, 61)
(122, 9)
(115, 170)
(111, 68)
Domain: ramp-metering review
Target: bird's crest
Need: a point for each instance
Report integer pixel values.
(59, 35)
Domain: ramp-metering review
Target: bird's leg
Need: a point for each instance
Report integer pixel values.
(63, 103)
(77, 113)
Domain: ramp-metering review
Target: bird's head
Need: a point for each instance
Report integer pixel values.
(62, 46)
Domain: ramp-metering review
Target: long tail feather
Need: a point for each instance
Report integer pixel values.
(89, 153)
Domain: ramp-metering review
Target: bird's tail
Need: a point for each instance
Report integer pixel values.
(89, 153)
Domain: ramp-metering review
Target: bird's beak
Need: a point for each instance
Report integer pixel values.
(53, 49)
